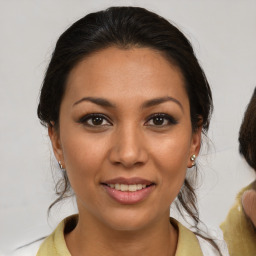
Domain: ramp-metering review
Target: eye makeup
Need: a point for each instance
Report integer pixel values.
(161, 119)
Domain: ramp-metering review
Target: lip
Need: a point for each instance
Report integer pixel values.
(128, 197)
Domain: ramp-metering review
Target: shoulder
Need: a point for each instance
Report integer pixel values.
(209, 250)
(216, 234)
(238, 231)
(188, 240)
(28, 250)
(236, 223)
(54, 244)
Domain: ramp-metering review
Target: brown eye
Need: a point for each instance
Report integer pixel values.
(94, 120)
(97, 120)
(161, 120)
(158, 120)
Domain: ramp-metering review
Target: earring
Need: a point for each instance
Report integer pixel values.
(60, 165)
(193, 159)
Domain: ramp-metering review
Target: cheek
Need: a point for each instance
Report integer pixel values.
(83, 158)
(170, 158)
(171, 152)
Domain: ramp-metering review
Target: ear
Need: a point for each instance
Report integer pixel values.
(195, 145)
(56, 144)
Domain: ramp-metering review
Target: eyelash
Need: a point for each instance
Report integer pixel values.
(170, 120)
(84, 120)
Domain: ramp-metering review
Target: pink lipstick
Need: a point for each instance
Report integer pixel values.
(128, 191)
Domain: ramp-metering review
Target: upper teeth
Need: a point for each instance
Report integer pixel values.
(125, 187)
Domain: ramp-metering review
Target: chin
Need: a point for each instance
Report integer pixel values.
(128, 220)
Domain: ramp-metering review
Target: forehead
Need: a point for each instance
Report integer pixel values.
(126, 73)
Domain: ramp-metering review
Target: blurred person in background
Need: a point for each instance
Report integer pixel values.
(239, 228)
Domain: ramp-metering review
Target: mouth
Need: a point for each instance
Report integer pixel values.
(127, 188)
(128, 191)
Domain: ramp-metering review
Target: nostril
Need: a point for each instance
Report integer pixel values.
(128, 153)
(128, 162)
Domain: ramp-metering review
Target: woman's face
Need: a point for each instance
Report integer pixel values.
(125, 136)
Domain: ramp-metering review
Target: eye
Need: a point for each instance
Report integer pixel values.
(161, 119)
(94, 120)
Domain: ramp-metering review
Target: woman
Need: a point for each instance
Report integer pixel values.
(239, 228)
(125, 102)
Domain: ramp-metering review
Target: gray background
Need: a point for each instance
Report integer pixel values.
(223, 34)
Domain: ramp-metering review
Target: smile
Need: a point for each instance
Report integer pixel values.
(128, 191)
(125, 187)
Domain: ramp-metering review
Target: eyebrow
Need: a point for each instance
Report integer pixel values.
(149, 103)
(99, 101)
(157, 101)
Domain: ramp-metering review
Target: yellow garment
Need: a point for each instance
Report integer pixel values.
(237, 230)
(55, 244)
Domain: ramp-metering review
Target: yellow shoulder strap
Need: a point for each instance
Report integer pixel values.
(55, 244)
(188, 243)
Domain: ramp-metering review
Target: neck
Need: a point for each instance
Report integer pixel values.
(92, 238)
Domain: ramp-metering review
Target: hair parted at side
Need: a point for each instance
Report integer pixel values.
(247, 133)
(125, 28)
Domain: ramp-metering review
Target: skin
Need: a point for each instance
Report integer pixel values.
(126, 144)
(249, 205)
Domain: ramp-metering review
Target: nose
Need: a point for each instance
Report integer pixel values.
(129, 148)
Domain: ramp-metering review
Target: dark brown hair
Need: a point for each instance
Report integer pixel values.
(127, 27)
(247, 134)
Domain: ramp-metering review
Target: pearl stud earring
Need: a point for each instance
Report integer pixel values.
(60, 165)
(193, 158)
